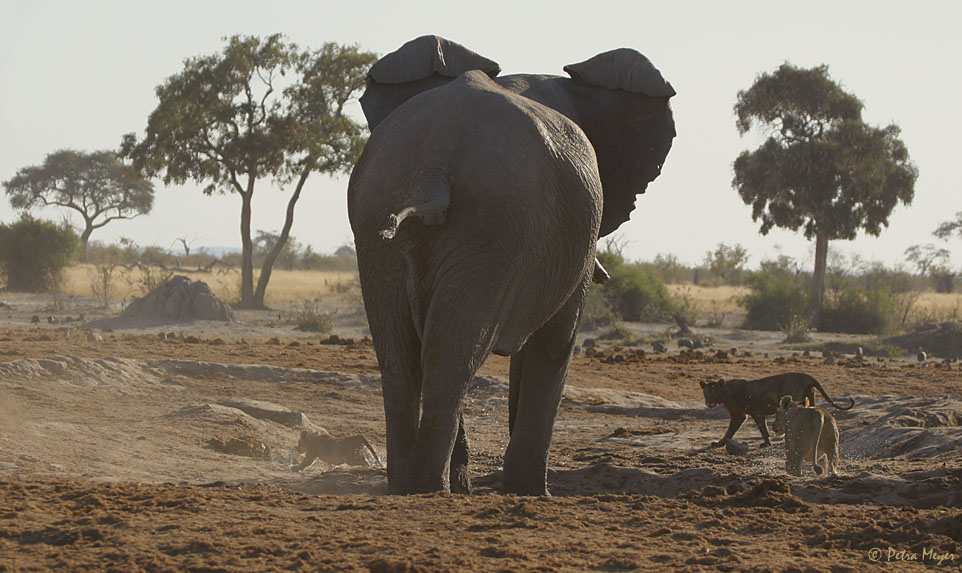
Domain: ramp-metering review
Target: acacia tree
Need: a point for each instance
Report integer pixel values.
(821, 168)
(225, 121)
(946, 229)
(97, 185)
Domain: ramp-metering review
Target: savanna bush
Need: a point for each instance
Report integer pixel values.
(858, 311)
(634, 293)
(33, 252)
(775, 301)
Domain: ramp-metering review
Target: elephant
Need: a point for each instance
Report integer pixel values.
(476, 206)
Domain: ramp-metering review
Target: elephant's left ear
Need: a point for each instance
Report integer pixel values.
(423, 63)
(623, 69)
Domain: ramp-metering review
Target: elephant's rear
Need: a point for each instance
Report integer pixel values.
(519, 228)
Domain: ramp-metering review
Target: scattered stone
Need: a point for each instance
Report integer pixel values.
(735, 448)
(829, 361)
(35, 319)
(94, 337)
(247, 447)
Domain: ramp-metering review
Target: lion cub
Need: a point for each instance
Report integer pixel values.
(810, 434)
(352, 450)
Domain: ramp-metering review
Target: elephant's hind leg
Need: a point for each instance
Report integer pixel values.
(538, 373)
(398, 352)
(453, 351)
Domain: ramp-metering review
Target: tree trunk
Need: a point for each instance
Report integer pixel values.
(84, 237)
(268, 265)
(817, 293)
(247, 256)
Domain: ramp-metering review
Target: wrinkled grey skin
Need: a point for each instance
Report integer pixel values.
(476, 207)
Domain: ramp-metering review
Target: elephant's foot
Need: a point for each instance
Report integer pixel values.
(524, 482)
(460, 480)
(535, 489)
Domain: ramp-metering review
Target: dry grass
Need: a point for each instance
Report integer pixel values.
(938, 307)
(294, 286)
(715, 301)
(284, 286)
(709, 299)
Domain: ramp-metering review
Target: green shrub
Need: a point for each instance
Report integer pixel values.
(775, 301)
(634, 293)
(597, 313)
(33, 252)
(310, 318)
(857, 311)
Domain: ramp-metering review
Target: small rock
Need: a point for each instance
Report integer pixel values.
(735, 448)
(94, 337)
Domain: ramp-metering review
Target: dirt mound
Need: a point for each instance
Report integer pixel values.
(180, 299)
(944, 340)
(177, 300)
(913, 428)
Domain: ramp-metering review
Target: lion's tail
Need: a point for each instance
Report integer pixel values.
(377, 459)
(851, 401)
(818, 435)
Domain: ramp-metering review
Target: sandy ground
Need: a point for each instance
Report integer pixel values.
(110, 459)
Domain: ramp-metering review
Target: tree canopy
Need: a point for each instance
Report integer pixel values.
(821, 169)
(97, 185)
(259, 109)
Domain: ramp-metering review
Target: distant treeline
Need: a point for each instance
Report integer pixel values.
(294, 256)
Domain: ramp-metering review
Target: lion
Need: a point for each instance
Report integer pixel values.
(810, 434)
(759, 398)
(352, 450)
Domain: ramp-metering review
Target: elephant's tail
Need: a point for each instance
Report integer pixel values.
(431, 211)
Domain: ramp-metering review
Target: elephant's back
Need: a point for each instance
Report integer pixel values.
(498, 150)
(524, 209)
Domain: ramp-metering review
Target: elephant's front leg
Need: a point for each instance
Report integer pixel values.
(537, 378)
(460, 460)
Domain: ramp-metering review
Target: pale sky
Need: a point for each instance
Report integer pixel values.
(81, 74)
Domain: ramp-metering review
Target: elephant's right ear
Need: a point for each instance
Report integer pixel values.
(623, 69)
(421, 64)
